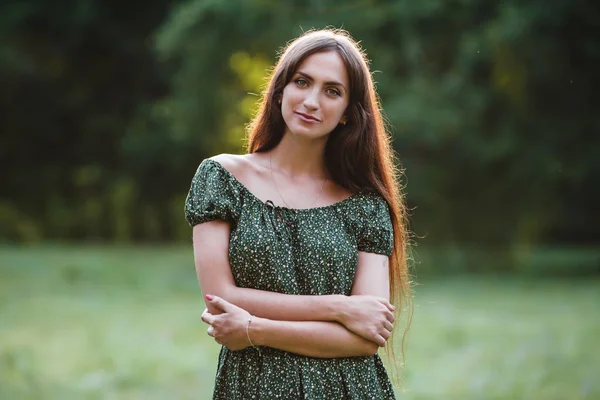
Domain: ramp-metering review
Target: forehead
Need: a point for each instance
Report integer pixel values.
(325, 66)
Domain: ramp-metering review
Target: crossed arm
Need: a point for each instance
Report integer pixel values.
(315, 326)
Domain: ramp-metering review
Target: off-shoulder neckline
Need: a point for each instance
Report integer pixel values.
(264, 202)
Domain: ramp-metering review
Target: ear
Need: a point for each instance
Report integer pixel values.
(343, 120)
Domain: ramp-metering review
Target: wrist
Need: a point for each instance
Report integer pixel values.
(257, 330)
(338, 308)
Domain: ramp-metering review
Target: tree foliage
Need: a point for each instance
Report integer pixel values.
(490, 103)
(109, 111)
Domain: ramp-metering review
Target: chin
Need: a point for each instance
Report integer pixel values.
(307, 131)
(304, 132)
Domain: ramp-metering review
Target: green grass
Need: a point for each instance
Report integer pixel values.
(124, 323)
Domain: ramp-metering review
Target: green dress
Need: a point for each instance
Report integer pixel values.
(295, 251)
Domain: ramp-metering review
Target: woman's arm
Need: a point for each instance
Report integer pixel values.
(311, 338)
(211, 257)
(308, 338)
(211, 247)
(329, 339)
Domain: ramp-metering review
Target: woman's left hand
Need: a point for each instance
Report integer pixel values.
(228, 328)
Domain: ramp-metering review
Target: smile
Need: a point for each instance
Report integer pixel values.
(307, 118)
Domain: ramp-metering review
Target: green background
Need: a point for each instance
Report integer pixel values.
(108, 108)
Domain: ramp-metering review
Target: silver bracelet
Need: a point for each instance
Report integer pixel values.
(248, 333)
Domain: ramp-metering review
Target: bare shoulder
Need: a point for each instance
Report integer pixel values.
(239, 165)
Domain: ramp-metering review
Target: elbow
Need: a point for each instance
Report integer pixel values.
(219, 292)
(224, 292)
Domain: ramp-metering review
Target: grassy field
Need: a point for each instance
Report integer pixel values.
(124, 323)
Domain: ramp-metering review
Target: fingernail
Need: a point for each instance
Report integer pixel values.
(209, 297)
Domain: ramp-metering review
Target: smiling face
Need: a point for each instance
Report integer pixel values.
(314, 101)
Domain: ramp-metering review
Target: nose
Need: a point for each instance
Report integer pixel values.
(311, 101)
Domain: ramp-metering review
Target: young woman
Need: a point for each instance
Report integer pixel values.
(300, 243)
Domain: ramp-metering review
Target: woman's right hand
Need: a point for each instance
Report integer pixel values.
(368, 316)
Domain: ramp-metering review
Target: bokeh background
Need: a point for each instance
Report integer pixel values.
(108, 107)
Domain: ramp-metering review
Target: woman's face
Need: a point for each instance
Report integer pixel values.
(315, 100)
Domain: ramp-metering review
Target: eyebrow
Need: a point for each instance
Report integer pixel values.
(334, 83)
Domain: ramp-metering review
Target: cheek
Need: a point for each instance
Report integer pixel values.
(291, 100)
(290, 96)
(336, 110)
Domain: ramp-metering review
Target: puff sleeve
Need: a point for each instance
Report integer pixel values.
(375, 232)
(212, 195)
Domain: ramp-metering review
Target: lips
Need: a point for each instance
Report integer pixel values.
(307, 117)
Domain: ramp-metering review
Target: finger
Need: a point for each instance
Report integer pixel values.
(211, 331)
(389, 305)
(376, 338)
(380, 340)
(222, 304)
(388, 326)
(390, 316)
(208, 318)
(385, 334)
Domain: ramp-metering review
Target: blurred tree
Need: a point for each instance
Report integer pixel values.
(73, 74)
(491, 105)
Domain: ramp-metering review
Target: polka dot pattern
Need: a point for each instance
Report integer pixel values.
(295, 251)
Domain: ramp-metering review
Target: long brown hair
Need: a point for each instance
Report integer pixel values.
(358, 155)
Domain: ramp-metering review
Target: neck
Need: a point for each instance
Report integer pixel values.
(299, 157)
